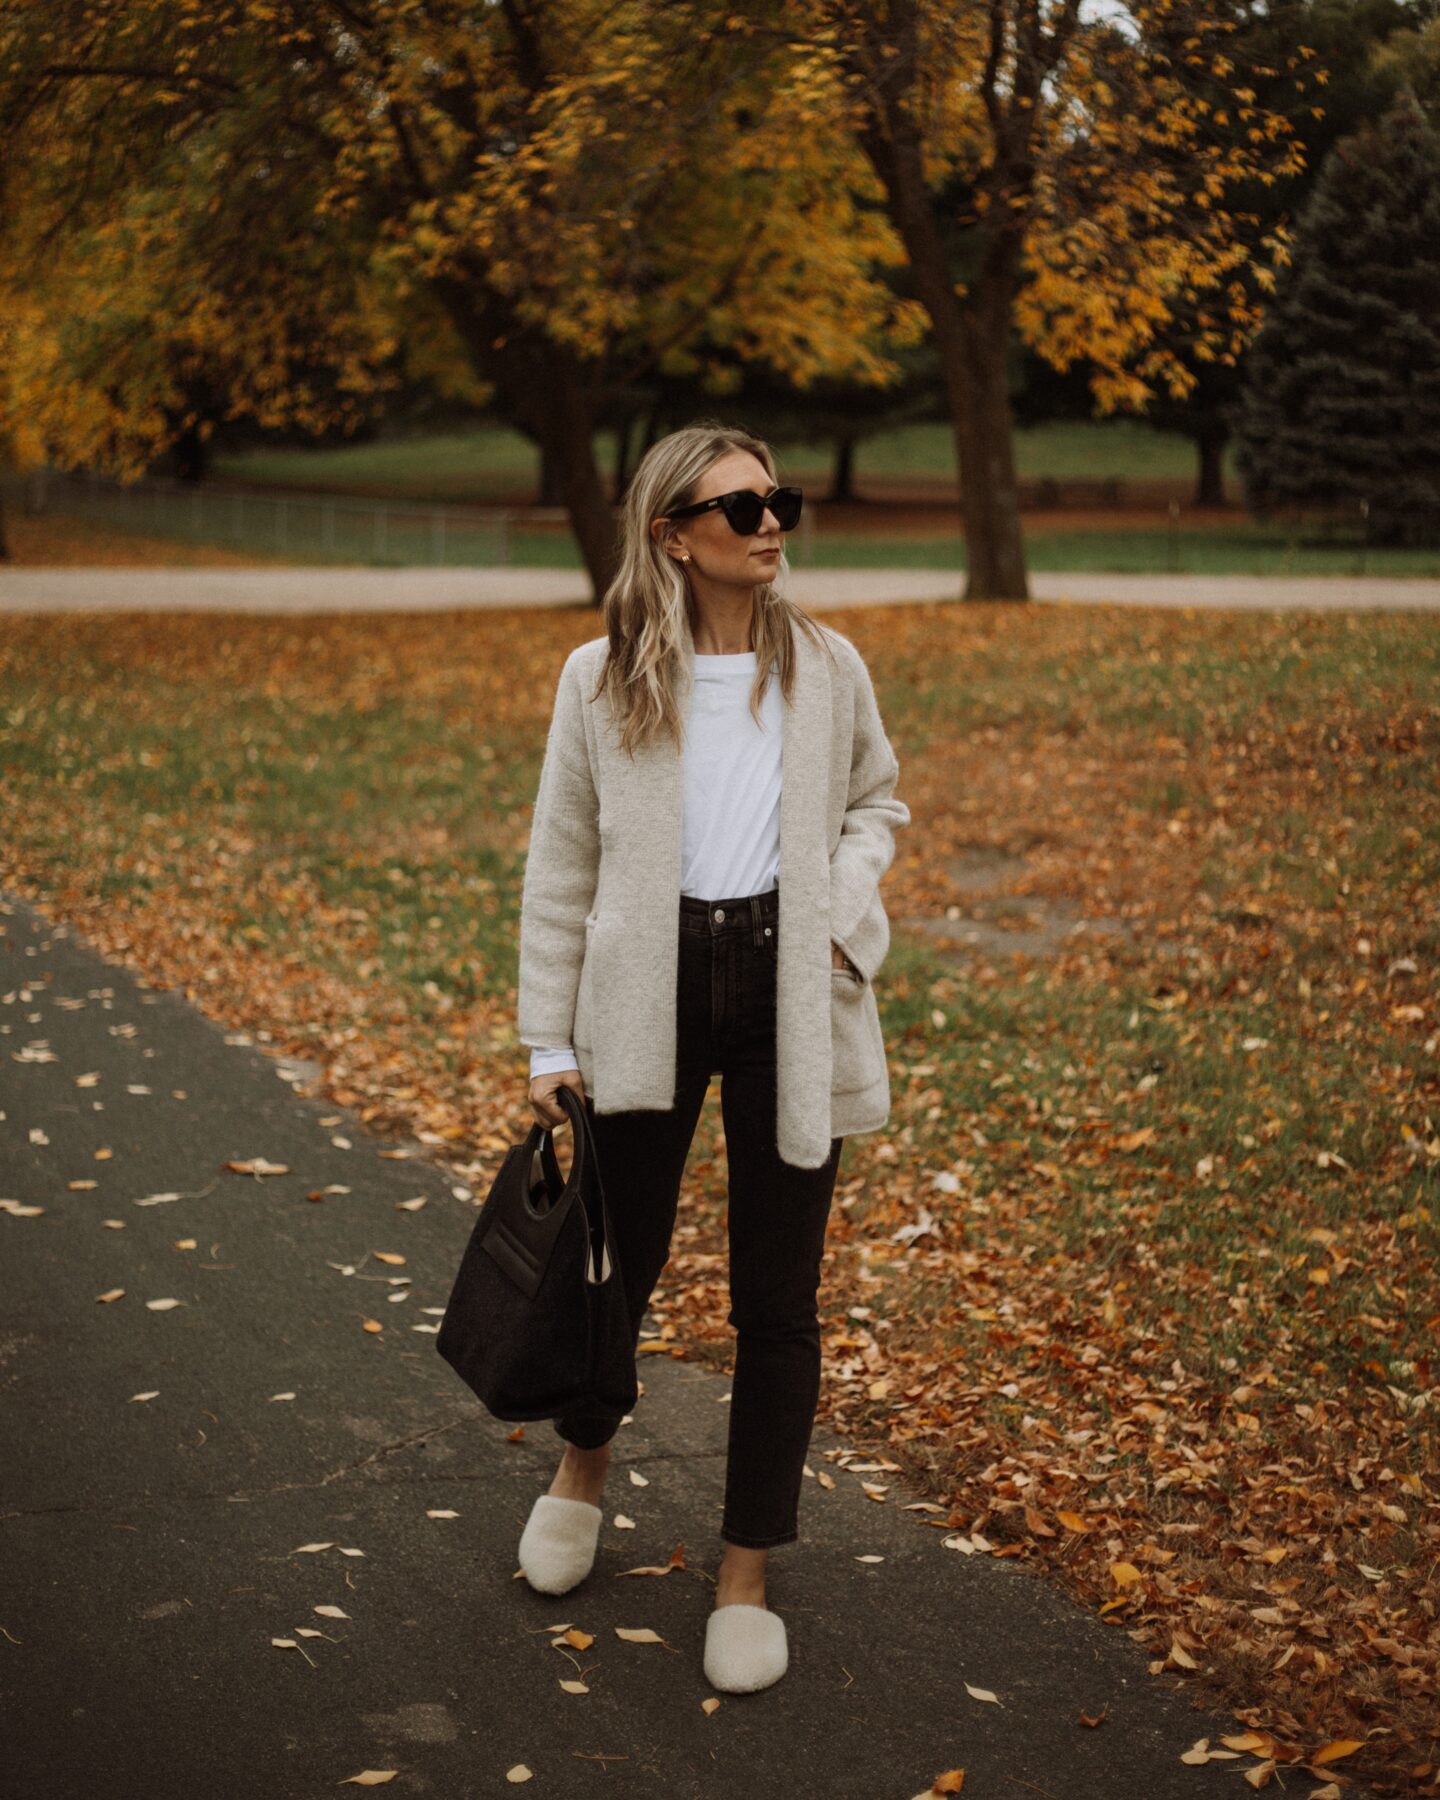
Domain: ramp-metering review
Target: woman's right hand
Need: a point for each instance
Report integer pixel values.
(548, 1110)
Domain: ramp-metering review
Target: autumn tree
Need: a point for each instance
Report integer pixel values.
(537, 202)
(1060, 172)
(1364, 49)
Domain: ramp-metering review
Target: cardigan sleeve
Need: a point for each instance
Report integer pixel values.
(561, 870)
(872, 816)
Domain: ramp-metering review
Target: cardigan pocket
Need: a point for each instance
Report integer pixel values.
(857, 1043)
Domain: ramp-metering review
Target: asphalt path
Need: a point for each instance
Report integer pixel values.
(164, 1467)
(306, 589)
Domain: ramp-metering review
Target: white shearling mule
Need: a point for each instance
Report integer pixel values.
(745, 1648)
(557, 1546)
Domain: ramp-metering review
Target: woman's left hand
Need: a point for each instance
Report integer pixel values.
(839, 960)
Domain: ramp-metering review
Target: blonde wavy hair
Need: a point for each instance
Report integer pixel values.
(645, 605)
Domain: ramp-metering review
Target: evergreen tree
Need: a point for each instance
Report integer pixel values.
(1341, 407)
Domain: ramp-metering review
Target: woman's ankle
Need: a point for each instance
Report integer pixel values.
(581, 1475)
(741, 1578)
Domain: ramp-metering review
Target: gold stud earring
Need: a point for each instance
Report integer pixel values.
(685, 556)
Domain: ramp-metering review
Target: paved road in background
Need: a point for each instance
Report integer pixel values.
(304, 589)
(164, 1466)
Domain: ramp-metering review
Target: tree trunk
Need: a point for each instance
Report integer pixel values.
(984, 428)
(552, 484)
(971, 342)
(554, 397)
(1210, 472)
(190, 454)
(568, 445)
(624, 438)
(842, 477)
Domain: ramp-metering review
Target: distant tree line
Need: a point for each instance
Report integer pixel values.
(581, 219)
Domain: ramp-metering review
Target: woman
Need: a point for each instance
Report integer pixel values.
(684, 912)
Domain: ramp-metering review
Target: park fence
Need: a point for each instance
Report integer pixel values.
(317, 527)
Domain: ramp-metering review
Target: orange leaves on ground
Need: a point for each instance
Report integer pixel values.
(1121, 1360)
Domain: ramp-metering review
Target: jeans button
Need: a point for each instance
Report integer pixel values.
(719, 914)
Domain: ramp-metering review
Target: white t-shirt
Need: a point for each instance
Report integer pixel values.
(730, 837)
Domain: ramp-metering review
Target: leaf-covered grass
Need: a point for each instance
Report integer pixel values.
(1143, 1270)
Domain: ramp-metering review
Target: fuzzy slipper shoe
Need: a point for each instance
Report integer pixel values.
(557, 1546)
(745, 1648)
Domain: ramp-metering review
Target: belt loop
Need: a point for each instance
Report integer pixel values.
(755, 921)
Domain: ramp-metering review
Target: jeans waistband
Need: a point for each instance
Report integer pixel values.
(757, 914)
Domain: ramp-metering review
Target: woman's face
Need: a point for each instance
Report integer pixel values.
(718, 553)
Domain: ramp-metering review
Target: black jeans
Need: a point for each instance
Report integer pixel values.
(725, 1021)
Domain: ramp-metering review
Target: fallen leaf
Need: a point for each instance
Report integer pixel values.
(574, 1687)
(163, 1305)
(709, 1704)
(375, 1325)
(441, 1513)
(111, 1294)
(331, 1612)
(978, 1693)
(386, 1256)
(519, 1772)
(1337, 1748)
(146, 1396)
(870, 1557)
(641, 1634)
(258, 1165)
(310, 1549)
(369, 1778)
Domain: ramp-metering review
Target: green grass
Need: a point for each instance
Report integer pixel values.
(491, 462)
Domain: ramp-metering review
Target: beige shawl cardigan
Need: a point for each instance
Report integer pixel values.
(599, 916)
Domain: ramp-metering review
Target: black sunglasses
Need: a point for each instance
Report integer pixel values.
(744, 509)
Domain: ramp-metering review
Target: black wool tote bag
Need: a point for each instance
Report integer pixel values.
(537, 1322)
